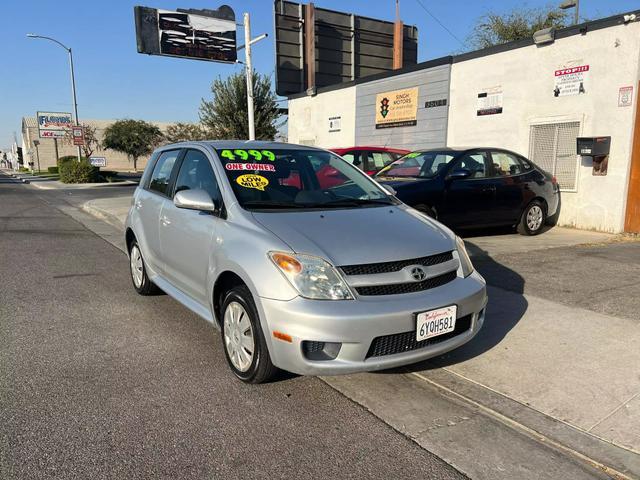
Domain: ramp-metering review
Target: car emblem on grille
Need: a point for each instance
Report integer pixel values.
(418, 274)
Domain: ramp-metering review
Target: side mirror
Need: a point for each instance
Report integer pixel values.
(195, 200)
(459, 174)
(389, 189)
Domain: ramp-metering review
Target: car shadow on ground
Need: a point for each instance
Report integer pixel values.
(505, 309)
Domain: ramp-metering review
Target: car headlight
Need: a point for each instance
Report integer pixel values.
(465, 261)
(313, 277)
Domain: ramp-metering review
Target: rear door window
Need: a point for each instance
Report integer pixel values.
(161, 176)
(505, 164)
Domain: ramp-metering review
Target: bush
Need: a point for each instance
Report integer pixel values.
(67, 159)
(78, 172)
(23, 169)
(52, 169)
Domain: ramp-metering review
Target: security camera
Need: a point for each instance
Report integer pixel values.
(630, 17)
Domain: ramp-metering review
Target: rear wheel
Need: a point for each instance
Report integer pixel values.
(533, 219)
(139, 276)
(244, 345)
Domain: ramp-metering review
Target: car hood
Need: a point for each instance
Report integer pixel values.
(363, 235)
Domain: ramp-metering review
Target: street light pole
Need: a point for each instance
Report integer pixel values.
(249, 72)
(572, 4)
(73, 78)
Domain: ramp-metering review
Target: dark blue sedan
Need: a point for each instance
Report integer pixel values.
(475, 187)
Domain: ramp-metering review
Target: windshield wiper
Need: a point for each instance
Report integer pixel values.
(355, 202)
(266, 204)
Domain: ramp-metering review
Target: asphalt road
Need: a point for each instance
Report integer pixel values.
(98, 382)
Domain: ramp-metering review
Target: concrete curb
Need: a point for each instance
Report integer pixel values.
(614, 460)
(111, 219)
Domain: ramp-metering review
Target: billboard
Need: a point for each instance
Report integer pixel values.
(197, 34)
(347, 47)
(53, 124)
(398, 108)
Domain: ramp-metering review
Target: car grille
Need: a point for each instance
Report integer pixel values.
(406, 342)
(386, 267)
(398, 288)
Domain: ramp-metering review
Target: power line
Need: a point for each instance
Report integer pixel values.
(440, 23)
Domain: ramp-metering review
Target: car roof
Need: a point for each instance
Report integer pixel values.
(371, 147)
(244, 144)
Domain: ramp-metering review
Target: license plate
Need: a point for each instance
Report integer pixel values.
(435, 322)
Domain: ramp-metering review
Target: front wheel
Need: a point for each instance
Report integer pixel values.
(244, 345)
(533, 219)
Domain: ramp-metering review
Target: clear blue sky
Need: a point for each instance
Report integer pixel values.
(114, 81)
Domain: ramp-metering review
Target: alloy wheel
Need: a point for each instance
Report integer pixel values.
(535, 217)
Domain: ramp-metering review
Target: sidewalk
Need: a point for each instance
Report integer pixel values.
(45, 183)
(564, 375)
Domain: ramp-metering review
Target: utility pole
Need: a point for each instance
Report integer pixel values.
(398, 28)
(249, 72)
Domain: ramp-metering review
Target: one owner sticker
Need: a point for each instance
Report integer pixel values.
(261, 167)
(252, 181)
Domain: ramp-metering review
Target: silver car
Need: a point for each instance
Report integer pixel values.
(302, 261)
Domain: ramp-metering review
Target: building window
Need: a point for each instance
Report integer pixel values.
(552, 146)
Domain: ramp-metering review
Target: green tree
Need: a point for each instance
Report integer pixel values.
(494, 29)
(225, 117)
(134, 138)
(182, 132)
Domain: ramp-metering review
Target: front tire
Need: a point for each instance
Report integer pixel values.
(533, 219)
(243, 340)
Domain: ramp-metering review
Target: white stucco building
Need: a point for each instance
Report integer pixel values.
(532, 98)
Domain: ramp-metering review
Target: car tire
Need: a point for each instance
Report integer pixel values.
(243, 341)
(533, 219)
(138, 271)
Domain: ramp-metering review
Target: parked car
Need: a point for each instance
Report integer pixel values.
(475, 187)
(370, 159)
(304, 278)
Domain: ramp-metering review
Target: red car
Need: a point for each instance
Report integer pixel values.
(370, 159)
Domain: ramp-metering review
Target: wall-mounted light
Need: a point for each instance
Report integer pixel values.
(630, 17)
(546, 35)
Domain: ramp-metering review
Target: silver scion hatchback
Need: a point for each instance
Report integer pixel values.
(301, 260)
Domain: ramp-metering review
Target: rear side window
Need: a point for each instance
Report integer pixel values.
(378, 160)
(196, 174)
(161, 175)
(505, 164)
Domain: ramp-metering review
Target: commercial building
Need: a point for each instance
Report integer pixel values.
(533, 98)
(46, 151)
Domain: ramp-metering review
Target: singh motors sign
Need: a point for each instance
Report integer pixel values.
(53, 124)
(397, 109)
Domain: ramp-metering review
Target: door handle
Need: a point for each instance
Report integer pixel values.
(138, 204)
(165, 220)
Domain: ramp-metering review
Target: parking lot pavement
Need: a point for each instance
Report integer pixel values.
(99, 382)
(557, 360)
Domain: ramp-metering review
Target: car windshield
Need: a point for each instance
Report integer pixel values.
(265, 179)
(419, 164)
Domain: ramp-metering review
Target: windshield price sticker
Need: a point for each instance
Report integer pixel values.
(245, 155)
(262, 167)
(252, 181)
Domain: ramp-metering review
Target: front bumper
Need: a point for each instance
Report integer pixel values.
(356, 323)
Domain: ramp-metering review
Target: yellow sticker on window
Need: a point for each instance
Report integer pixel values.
(252, 181)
